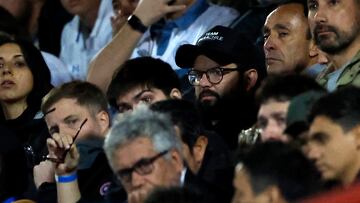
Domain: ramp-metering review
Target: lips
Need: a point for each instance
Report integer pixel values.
(270, 60)
(207, 95)
(321, 167)
(7, 83)
(324, 30)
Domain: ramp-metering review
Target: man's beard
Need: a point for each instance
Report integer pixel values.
(222, 106)
(336, 44)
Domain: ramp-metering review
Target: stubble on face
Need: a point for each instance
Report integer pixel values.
(334, 40)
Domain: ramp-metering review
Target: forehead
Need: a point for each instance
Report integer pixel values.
(65, 107)
(274, 106)
(324, 125)
(10, 48)
(132, 151)
(290, 15)
(203, 62)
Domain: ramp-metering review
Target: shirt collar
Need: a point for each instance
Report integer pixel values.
(104, 8)
(191, 14)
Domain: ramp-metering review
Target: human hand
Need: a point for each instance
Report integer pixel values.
(63, 153)
(151, 11)
(117, 21)
(137, 196)
(44, 172)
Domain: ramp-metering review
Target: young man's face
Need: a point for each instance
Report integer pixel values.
(68, 115)
(209, 94)
(243, 188)
(139, 94)
(334, 24)
(272, 120)
(333, 151)
(164, 172)
(286, 43)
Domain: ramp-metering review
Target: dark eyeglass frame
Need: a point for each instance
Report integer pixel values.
(199, 74)
(142, 167)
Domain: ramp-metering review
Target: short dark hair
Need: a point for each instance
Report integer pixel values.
(280, 164)
(85, 93)
(146, 71)
(284, 87)
(341, 106)
(185, 115)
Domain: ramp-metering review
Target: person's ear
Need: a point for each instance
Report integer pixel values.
(313, 49)
(356, 132)
(175, 94)
(250, 78)
(199, 149)
(103, 120)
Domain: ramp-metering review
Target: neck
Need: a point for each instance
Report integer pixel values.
(89, 18)
(351, 173)
(341, 58)
(13, 110)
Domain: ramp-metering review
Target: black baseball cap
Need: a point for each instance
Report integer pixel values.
(223, 45)
(298, 110)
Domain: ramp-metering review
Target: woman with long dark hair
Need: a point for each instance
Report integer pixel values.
(24, 80)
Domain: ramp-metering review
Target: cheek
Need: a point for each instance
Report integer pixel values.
(229, 84)
(92, 129)
(26, 81)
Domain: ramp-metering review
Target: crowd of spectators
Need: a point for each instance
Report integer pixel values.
(149, 101)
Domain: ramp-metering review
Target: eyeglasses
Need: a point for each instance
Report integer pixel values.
(62, 159)
(142, 167)
(214, 75)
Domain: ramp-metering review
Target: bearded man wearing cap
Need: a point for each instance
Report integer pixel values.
(225, 69)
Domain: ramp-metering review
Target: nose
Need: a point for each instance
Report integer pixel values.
(137, 180)
(312, 152)
(269, 44)
(204, 82)
(271, 132)
(6, 69)
(319, 15)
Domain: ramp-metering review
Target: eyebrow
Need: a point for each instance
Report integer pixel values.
(281, 27)
(49, 111)
(318, 136)
(16, 56)
(278, 114)
(138, 95)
